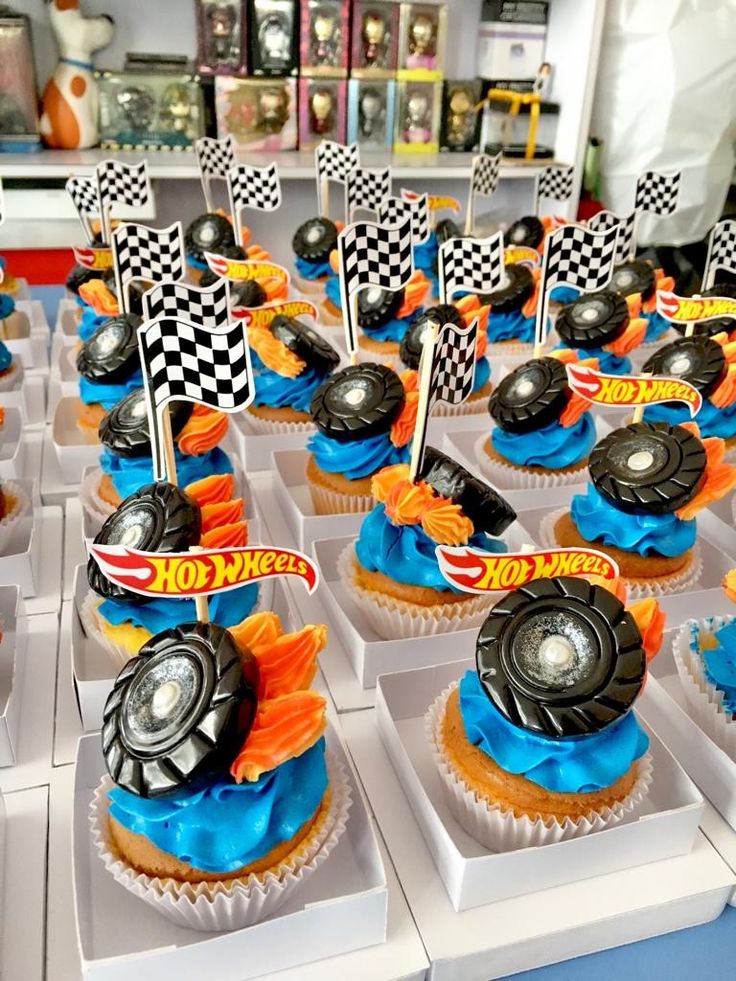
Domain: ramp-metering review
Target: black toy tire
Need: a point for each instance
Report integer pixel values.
(136, 289)
(594, 319)
(488, 511)
(248, 294)
(209, 277)
(376, 306)
(447, 230)
(125, 431)
(410, 349)
(98, 359)
(80, 275)
(514, 294)
(634, 276)
(671, 479)
(606, 667)
(200, 737)
(306, 343)
(370, 415)
(169, 521)
(208, 233)
(531, 396)
(705, 357)
(315, 239)
(527, 232)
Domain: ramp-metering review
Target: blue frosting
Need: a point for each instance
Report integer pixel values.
(6, 358)
(609, 364)
(312, 270)
(129, 475)
(564, 294)
(362, 458)
(572, 765)
(277, 391)
(90, 322)
(405, 553)
(222, 826)
(482, 374)
(711, 420)
(227, 609)
(108, 395)
(657, 326)
(199, 264)
(332, 290)
(720, 665)
(393, 330)
(647, 534)
(425, 254)
(553, 447)
(7, 305)
(512, 326)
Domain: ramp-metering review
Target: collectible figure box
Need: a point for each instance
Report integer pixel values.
(460, 124)
(149, 111)
(322, 110)
(418, 107)
(259, 113)
(18, 100)
(222, 37)
(422, 41)
(325, 37)
(273, 37)
(375, 33)
(371, 103)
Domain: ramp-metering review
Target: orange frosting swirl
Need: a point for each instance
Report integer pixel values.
(719, 477)
(289, 663)
(257, 253)
(633, 302)
(275, 288)
(221, 513)
(566, 355)
(629, 339)
(728, 346)
(234, 535)
(416, 292)
(2, 416)
(214, 489)
(205, 428)
(274, 354)
(650, 620)
(724, 394)
(661, 282)
(402, 428)
(284, 727)
(729, 584)
(470, 309)
(406, 502)
(99, 297)
(334, 261)
(409, 379)
(383, 481)
(257, 629)
(445, 522)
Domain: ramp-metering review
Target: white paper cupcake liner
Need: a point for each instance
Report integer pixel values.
(637, 589)
(21, 504)
(89, 496)
(9, 379)
(261, 427)
(327, 501)
(309, 287)
(470, 407)
(394, 619)
(231, 904)
(704, 700)
(498, 829)
(513, 348)
(513, 478)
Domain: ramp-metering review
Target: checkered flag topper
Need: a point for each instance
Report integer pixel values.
(555, 182)
(453, 364)
(393, 211)
(83, 192)
(334, 161)
(471, 264)
(721, 251)
(148, 253)
(367, 189)
(254, 187)
(215, 157)
(626, 225)
(205, 306)
(121, 183)
(484, 177)
(657, 194)
(184, 362)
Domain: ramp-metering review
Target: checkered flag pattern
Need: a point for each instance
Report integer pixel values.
(366, 189)
(372, 255)
(471, 264)
(396, 210)
(185, 362)
(254, 187)
(215, 157)
(207, 306)
(121, 183)
(484, 177)
(626, 224)
(554, 182)
(148, 253)
(721, 251)
(656, 193)
(334, 161)
(453, 364)
(83, 192)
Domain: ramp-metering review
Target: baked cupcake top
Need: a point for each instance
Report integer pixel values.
(214, 740)
(559, 664)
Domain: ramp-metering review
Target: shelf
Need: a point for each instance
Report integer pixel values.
(293, 165)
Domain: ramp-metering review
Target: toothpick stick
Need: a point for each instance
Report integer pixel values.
(469, 213)
(690, 325)
(353, 301)
(200, 602)
(325, 196)
(168, 442)
(639, 409)
(425, 380)
(207, 190)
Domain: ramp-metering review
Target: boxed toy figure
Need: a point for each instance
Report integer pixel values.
(460, 124)
(149, 111)
(325, 37)
(375, 39)
(422, 41)
(371, 103)
(260, 113)
(221, 33)
(273, 37)
(418, 106)
(322, 111)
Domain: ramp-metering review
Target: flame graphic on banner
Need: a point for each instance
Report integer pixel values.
(435, 202)
(473, 571)
(242, 269)
(521, 254)
(686, 309)
(94, 258)
(262, 316)
(631, 390)
(200, 573)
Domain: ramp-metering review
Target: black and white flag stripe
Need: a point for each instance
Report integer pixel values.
(121, 183)
(393, 211)
(657, 193)
(334, 161)
(185, 362)
(83, 192)
(555, 182)
(474, 265)
(258, 188)
(366, 189)
(721, 251)
(372, 255)
(215, 157)
(484, 177)
(145, 253)
(206, 306)
(626, 224)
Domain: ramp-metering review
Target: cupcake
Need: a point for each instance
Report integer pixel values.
(9, 284)
(513, 308)
(543, 432)
(706, 363)
(640, 276)
(98, 304)
(292, 361)
(125, 461)
(78, 276)
(9, 373)
(248, 292)
(164, 518)
(648, 482)
(540, 743)
(461, 313)
(392, 571)
(531, 232)
(365, 417)
(312, 243)
(603, 325)
(11, 320)
(213, 232)
(14, 505)
(109, 367)
(221, 798)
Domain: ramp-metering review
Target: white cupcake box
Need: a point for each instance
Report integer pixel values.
(13, 646)
(12, 446)
(73, 454)
(31, 345)
(67, 329)
(63, 378)
(665, 825)
(32, 557)
(256, 448)
(28, 395)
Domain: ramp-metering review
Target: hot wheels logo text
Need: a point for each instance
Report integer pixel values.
(474, 571)
(631, 389)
